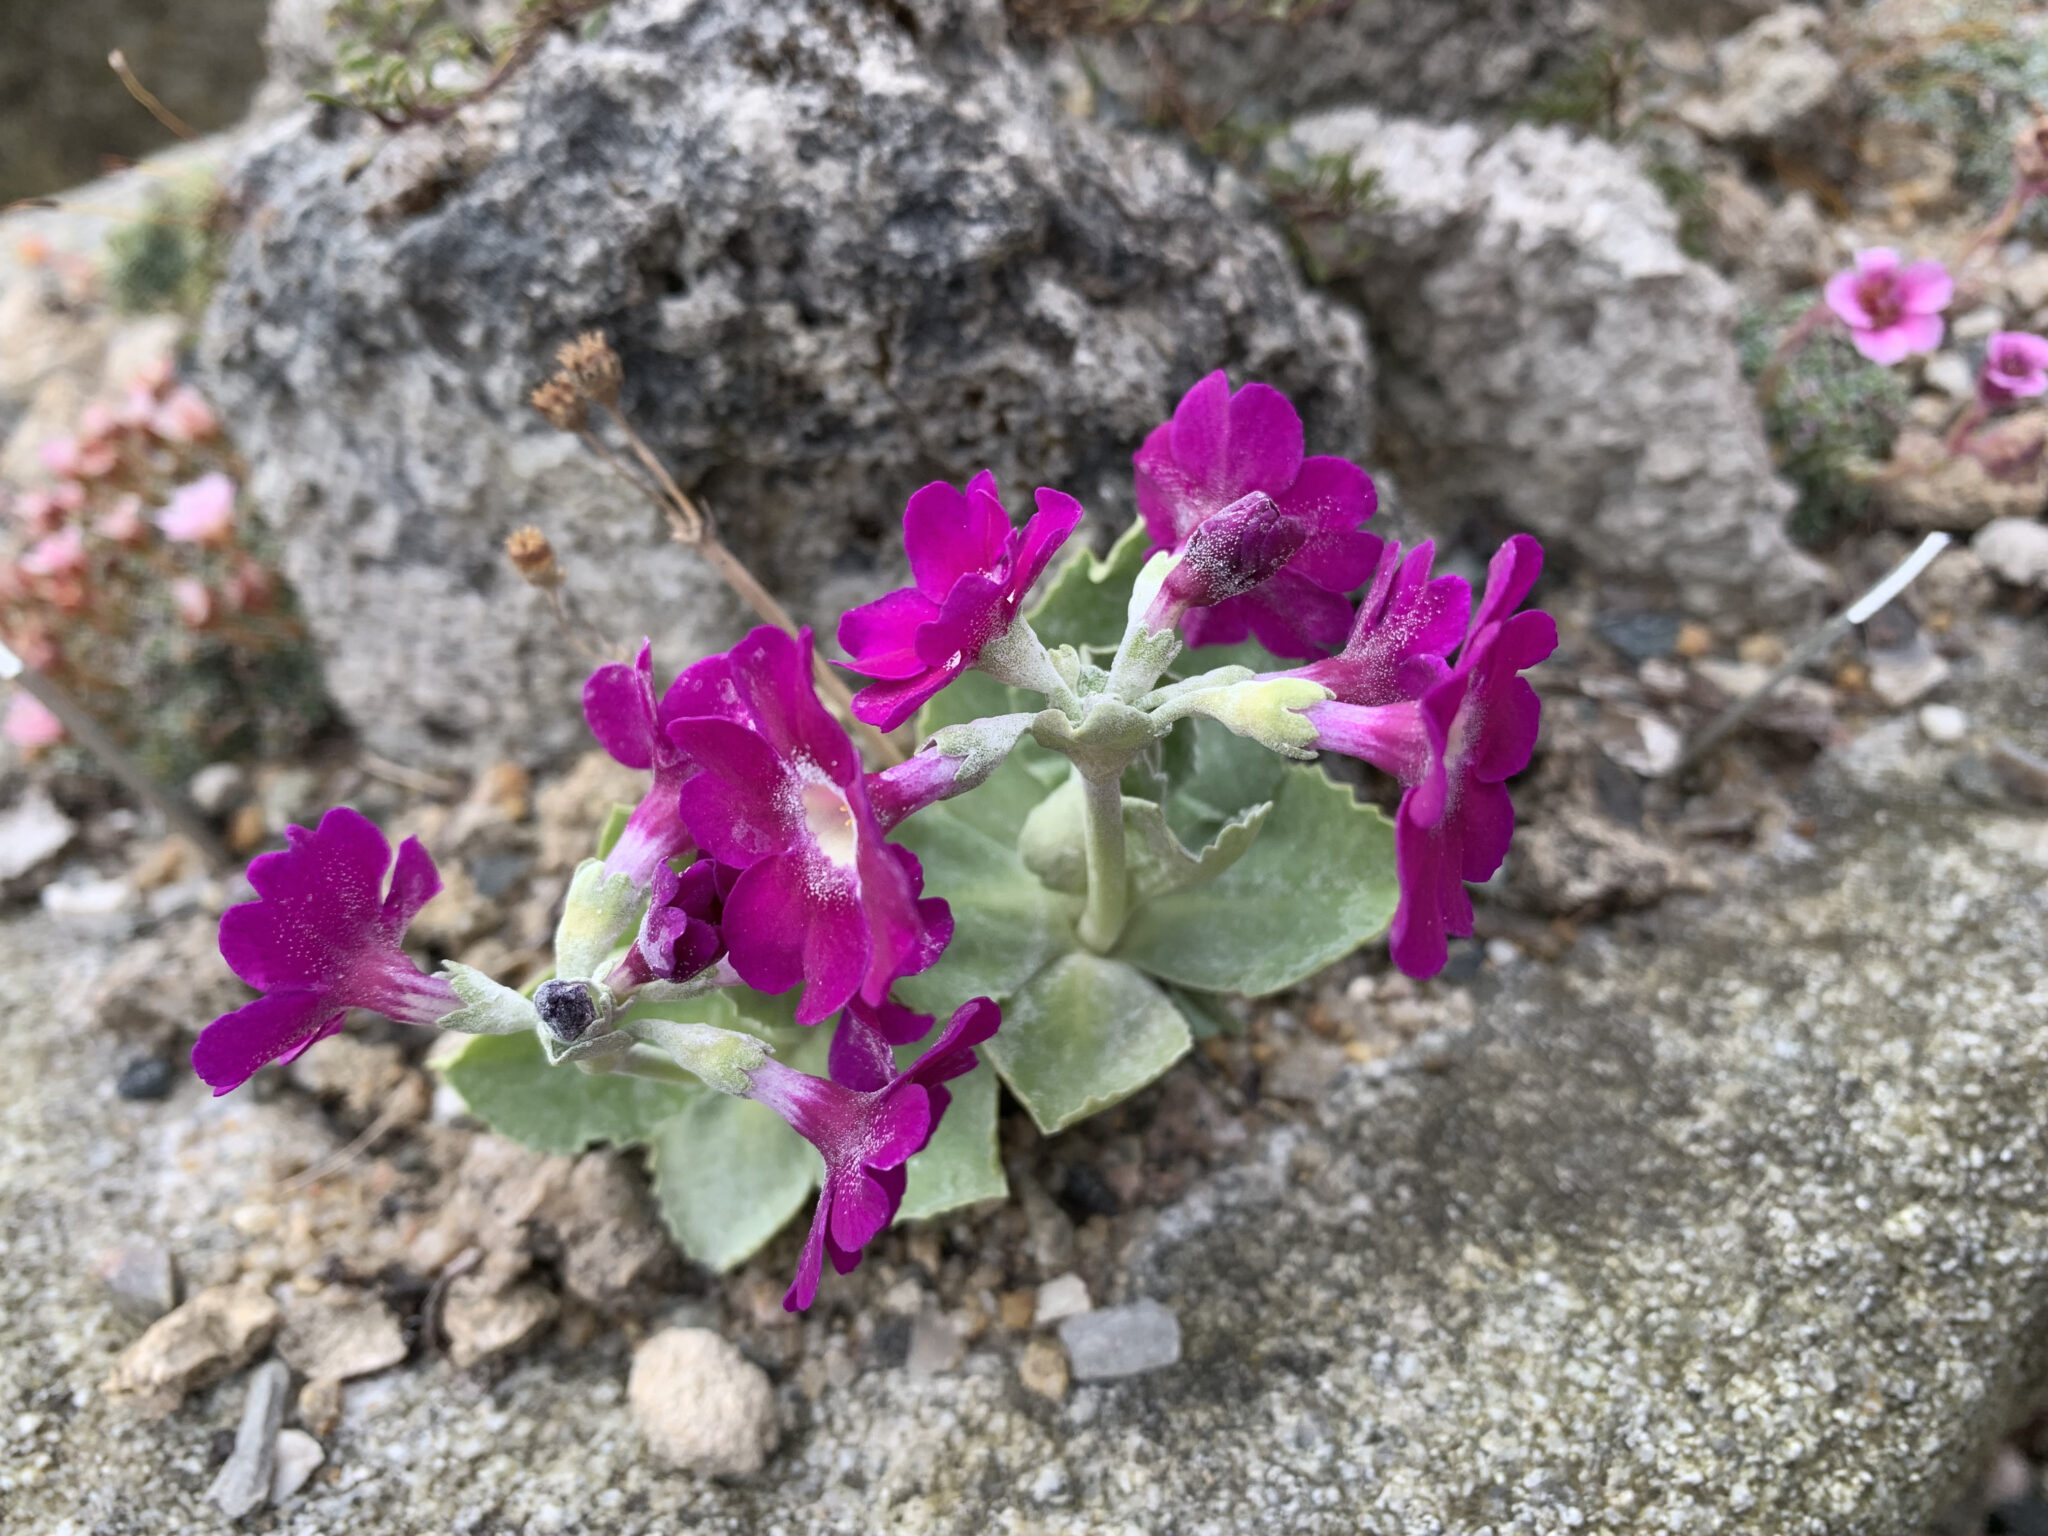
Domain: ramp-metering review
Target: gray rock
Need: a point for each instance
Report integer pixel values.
(244, 1480)
(1776, 73)
(1554, 354)
(1442, 59)
(1903, 674)
(2022, 774)
(32, 833)
(841, 255)
(217, 1331)
(1121, 1341)
(338, 1334)
(218, 788)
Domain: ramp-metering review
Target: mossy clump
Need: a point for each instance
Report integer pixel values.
(1971, 87)
(1830, 414)
(170, 258)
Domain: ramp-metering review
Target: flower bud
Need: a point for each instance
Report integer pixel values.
(567, 1008)
(533, 557)
(1240, 548)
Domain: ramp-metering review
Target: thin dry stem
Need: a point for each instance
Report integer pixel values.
(118, 62)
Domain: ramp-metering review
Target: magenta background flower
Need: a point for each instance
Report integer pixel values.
(322, 937)
(1407, 625)
(867, 1123)
(29, 724)
(1238, 550)
(1218, 447)
(906, 788)
(620, 708)
(1453, 746)
(972, 570)
(2015, 368)
(822, 899)
(1892, 311)
(202, 512)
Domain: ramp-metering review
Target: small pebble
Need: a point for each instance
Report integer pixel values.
(1950, 373)
(1640, 636)
(2014, 549)
(1062, 1297)
(296, 1458)
(1016, 1310)
(146, 1078)
(244, 1480)
(1694, 640)
(1943, 724)
(2023, 775)
(1121, 1341)
(218, 788)
(143, 1278)
(935, 1348)
(703, 1405)
(1043, 1369)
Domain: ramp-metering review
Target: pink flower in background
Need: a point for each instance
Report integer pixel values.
(39, 510)
(29, 724)
(1892, 311)
(194, 602)
(623, 714)
(1217, 448)
(155, 374)
(58, 554)
(59, 455)
(96, 421)
(202, 512)
(2015, 368)
(136, 407)
(67, 496)
(184, 417)
(123, 521)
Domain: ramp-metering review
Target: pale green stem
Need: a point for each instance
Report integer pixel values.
(1017, 657)
(1102, 920)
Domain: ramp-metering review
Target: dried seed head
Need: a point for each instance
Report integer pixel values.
(534, 558)
(592, 367)
(561, 402)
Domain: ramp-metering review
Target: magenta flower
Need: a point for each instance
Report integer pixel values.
(1892, 311)
(972, 570)
(679, 935)
(821, 899)
(1407, 625)
(2015, 368)
(1218, 448)
(619, 706)
(867, 1123)
(1453, 745)
(202, 512)
(322, 937)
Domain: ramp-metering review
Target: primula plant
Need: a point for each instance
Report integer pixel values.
(785, 970)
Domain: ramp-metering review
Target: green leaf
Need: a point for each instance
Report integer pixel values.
(1216, 777)
(1160, 863)
(1205, 1012)
(961, 1166)
(507, 1083)
(1317, 883)
(1053, 842)
(1082, 1034)
(728, 1173)
(614, 826)
(1086, 602)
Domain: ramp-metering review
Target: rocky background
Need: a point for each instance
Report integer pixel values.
(1704, 1192)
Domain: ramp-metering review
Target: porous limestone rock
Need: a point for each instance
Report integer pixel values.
(702, 1404)
(1550, 353)
(1734, 1221)
(844, 250)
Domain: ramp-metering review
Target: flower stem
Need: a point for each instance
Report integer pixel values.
(1102, 920)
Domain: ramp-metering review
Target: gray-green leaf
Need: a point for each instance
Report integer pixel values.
(1087, 600)
(728, 1173)
(960, 1167)
(1317, 883)
(507, 1083)
(1082, 1034)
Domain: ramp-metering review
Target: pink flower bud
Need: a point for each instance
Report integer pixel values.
(195, 602)
(202, 512)
(60, 455)
(56, 554)
(29, 724)
(184, 417)
(123, 522)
